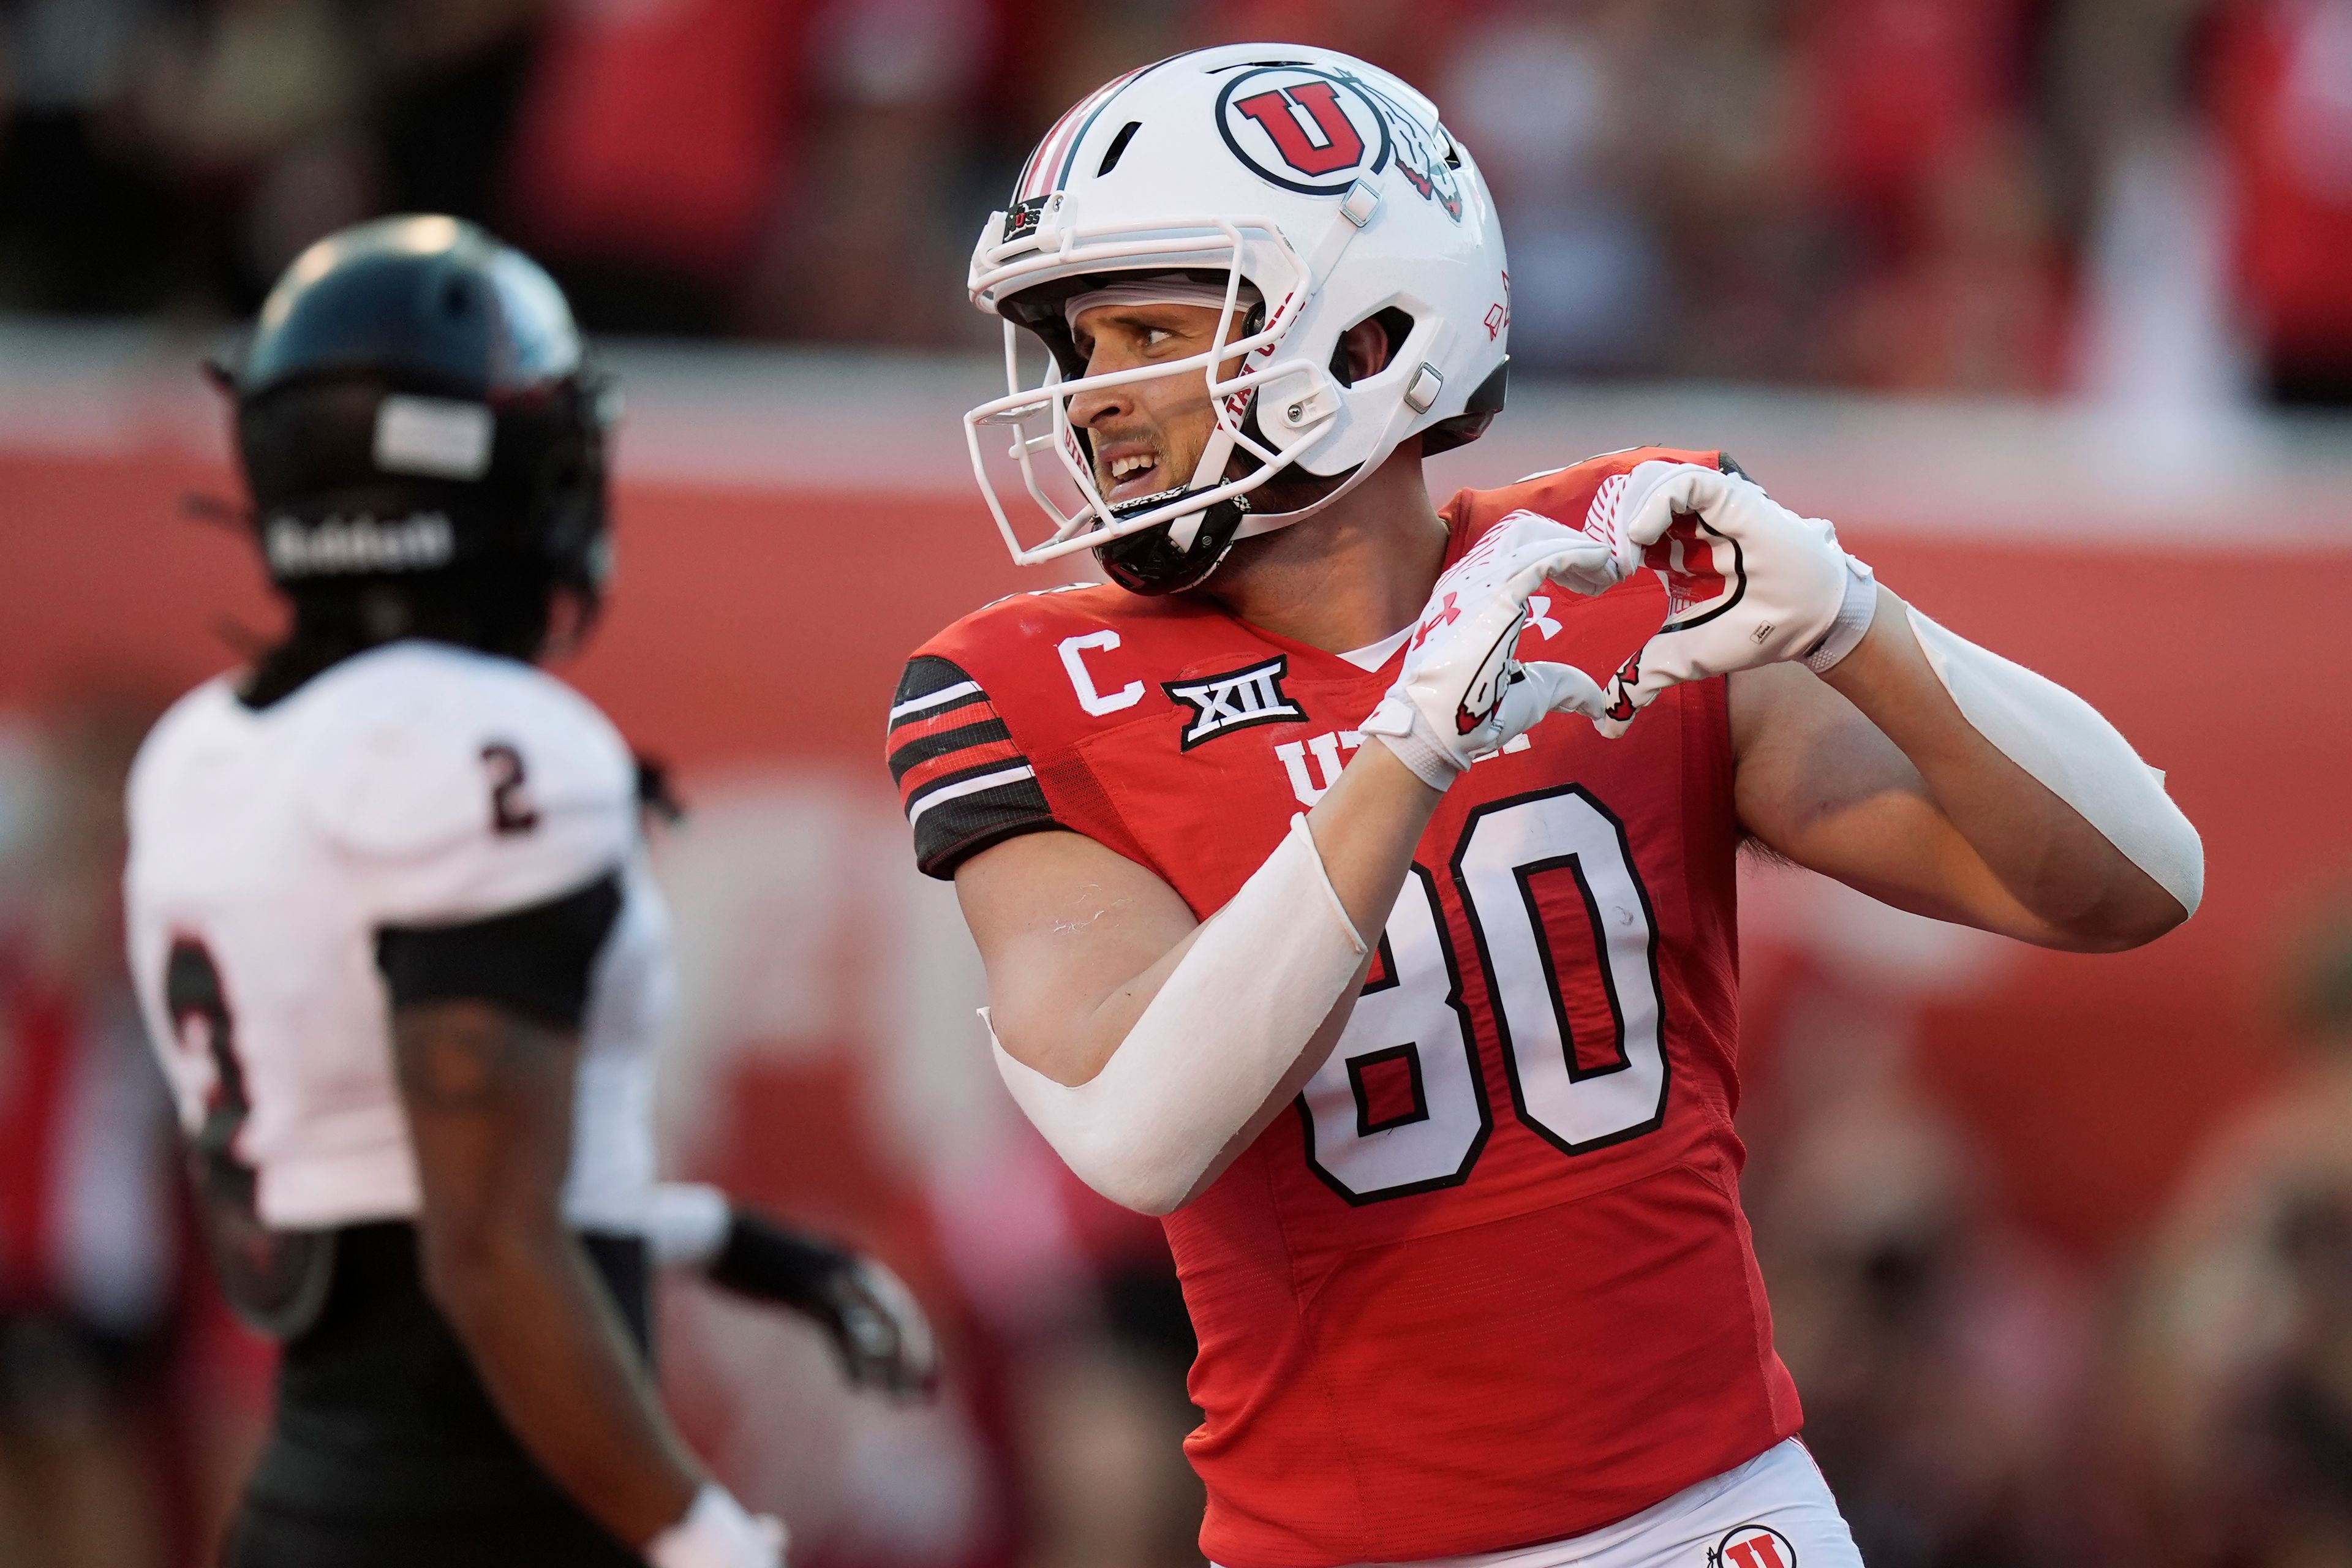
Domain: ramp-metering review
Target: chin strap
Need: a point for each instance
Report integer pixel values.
(1259, 522)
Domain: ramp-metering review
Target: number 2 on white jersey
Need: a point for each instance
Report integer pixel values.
(1401, 1108)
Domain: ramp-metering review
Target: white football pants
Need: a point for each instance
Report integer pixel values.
(1774, 1512)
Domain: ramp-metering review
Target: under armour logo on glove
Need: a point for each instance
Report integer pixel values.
(1447, 613)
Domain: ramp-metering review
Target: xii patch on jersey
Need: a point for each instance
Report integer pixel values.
(1235, 700)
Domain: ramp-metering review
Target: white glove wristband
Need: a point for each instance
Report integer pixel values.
(1392, 724)
(685, 1224)
(718, 1533)
(1854, 613)
(1228, 1023)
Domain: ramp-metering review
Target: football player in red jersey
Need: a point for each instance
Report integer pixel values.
(1416, 1016)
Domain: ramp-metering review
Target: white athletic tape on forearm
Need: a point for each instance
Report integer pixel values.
(685, 1224)
(1853, 616)
(2074, 753)
(718, 1533)
(1229, 1023)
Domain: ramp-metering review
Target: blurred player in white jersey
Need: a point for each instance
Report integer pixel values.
(393, 930)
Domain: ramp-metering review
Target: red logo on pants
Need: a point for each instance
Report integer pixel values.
(1753, 1546)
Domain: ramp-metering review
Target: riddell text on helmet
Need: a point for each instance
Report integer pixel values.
(420, 541)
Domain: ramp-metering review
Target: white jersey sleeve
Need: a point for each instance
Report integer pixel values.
(414, 785)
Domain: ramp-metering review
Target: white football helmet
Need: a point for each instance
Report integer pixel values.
(1325, 187)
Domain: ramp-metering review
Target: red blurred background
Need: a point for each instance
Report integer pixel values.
(2048, 303)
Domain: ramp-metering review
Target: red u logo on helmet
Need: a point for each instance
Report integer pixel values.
(1309, 129)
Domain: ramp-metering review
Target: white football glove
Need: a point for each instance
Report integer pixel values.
(718, 1533)
(1464, 693)
(1748, 581)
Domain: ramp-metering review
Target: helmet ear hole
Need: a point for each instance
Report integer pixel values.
(1398, 326)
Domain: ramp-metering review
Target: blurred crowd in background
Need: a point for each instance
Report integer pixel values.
(2015, 196)
(2001, 195)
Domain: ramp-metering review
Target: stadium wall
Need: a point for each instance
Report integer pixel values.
(791, 525)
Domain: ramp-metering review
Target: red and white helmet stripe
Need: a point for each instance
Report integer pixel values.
(1048, 167)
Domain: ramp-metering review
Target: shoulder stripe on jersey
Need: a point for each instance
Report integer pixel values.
(951, 746)
(928, 675)
(918, 741)
(950, 740)
(962, 779)
(957, 791)
(962, 819)
(962, 689)
(923, 778)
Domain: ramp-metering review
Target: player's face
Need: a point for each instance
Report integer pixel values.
(1148, 435)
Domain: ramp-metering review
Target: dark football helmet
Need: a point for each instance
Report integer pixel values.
(415, 403)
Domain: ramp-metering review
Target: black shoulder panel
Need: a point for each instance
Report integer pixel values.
(538, 961)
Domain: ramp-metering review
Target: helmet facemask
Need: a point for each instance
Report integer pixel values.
(1179, 534)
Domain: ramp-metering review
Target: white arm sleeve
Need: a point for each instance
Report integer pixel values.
(2074, 753)
(1230, 1021)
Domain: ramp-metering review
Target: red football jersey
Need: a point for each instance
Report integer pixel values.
(1491, 1285)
